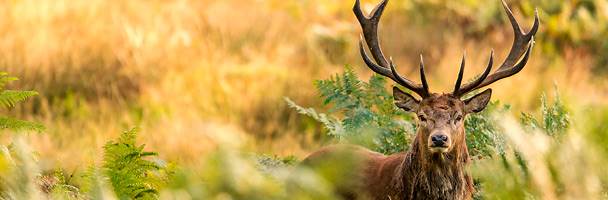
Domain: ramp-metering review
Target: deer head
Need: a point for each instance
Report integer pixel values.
(441, 116)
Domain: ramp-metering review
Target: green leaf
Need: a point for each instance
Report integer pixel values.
(9, 98)
(331, 124)
(365, 112)
(6, 79)
(132, 176)
(554, 119)
(20, 125)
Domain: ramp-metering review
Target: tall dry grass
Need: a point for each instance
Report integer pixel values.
(187, 70)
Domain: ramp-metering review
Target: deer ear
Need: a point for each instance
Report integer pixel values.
(404, 100)
(478, 102)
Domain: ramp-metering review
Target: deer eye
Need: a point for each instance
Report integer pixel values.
(458, 118)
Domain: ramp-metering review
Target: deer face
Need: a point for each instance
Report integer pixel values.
(441, 117)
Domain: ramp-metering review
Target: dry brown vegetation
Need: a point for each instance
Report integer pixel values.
(190, 72)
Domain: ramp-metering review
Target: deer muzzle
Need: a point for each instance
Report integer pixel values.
(439, 142)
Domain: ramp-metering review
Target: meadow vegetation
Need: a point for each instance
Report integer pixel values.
(229, 95)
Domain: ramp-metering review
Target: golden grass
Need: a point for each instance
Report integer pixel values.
(190, 71)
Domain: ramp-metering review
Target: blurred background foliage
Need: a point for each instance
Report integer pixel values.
(206, 81)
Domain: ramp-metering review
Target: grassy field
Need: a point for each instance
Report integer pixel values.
(205, 81)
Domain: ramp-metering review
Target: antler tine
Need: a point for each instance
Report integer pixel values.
(458, 91)
(422, 91)
(373, 66)
(522, 45)
(370, 30)
(425, 85)
(500, 74)
(390, 73)
(460, 73)
(521, 38)
(382, 66)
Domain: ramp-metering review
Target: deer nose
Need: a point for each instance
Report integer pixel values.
(439, 139)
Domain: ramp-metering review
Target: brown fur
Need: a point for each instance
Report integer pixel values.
(420, 173)
(435, 166)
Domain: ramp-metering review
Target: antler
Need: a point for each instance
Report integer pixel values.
(382, 66)
(458, 91)
(523, 41)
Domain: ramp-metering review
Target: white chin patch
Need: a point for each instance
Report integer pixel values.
(439, 149)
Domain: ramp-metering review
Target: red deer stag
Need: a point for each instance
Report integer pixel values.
(435, 166)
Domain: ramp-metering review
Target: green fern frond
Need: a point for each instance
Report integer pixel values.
(366, 111)
(132, 175)
(20, 125)
(9, 98)
(6, 79)
(342, 91)
(331, 124)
